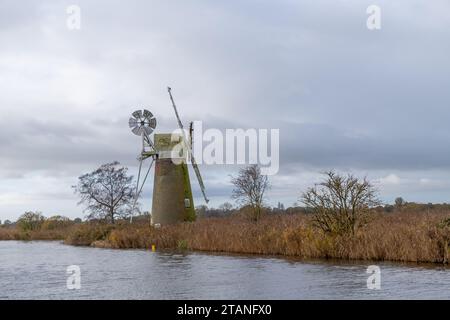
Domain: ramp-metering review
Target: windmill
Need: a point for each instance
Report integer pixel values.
(172, 192)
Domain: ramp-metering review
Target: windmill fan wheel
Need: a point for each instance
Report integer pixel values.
(142, 122)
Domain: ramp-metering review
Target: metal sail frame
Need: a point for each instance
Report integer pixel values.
(188, 144)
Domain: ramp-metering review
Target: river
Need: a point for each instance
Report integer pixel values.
(38, 270)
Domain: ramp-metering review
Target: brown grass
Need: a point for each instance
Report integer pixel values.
(14, 233)
(412, 237)
(401, 236)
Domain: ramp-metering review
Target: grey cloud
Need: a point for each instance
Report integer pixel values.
(343, 97)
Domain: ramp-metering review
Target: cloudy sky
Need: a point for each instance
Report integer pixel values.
(371, 102)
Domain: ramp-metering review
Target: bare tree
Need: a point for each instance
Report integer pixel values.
(57, 222)
(226, 207)
(399, 202)
(341, 204)
(249, 189)
(106, 192)
(7, 222)
(31, 221)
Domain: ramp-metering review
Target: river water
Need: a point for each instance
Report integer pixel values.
(38, 270)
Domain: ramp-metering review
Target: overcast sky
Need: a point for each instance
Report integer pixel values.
(371, 102)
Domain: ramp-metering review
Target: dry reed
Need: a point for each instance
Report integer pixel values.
(400, 236)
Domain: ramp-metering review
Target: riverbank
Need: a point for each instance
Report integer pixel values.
(401, 236)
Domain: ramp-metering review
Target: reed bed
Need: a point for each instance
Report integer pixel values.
(406, 237)
(400, 236)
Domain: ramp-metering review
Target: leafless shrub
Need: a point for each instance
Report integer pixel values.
(249, 190)
(341, 203)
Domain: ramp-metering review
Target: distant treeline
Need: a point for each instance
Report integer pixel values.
(399, 205)
(36, 220)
